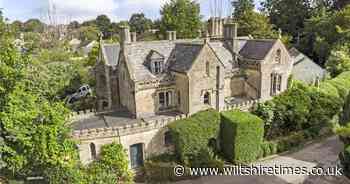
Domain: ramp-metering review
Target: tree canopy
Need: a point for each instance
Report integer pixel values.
(252, 22)
(182, 16)
(139, 23)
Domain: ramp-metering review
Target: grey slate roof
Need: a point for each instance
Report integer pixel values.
(304, 68)
(224, 53)
(257, 49)
(179, 55)
(137, 53)
(185, 55)
(111, 54)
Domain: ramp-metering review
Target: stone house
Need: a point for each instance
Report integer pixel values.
(145, 85)
(186, 76)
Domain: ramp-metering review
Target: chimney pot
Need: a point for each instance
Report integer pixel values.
(133, 37)
(171, 35)
(125, 35)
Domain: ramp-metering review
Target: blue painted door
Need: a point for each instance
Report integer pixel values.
(136, 155)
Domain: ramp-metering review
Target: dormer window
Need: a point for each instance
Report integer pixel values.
(157, 67)
(155, 62)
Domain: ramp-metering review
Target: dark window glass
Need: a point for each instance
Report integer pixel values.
(207, 98)
(93, 151)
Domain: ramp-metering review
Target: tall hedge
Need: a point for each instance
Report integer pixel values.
(194, 134)
(241, 136)
(344, 158)
(338, 86)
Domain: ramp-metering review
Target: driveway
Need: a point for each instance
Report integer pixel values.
(323, 154)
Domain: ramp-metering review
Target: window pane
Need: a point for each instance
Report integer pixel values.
(161, 99)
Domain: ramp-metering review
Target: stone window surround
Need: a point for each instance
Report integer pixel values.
(207, 98)
(171, 102)
(276, 83)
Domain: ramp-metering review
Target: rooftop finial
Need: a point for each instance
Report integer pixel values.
(279, 33)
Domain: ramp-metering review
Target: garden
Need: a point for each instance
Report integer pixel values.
(301, 114)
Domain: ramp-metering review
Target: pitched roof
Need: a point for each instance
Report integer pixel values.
(257, 49)
(179, 55)
(111, 54)
(185, 55)
(223, 52)
(138, 52)
(305, 69)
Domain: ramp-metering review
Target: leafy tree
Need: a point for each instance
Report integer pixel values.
(87, 34)
(324, 32)
(103, 23)
(111, 166)
(251, 22)
(181, 16)
(255, 24)
(289, 15)
(93, 55)
(241, 7)
(339, 60)
(34, 25)
(17, 26)
(139, 23)
(33, 130)
(32, 41)
(37, 135)
(73, 25)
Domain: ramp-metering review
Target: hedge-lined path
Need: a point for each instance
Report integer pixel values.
(324, 154)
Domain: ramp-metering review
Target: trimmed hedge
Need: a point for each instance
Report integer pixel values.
(193, 134)
(241, 136)
(268, 148)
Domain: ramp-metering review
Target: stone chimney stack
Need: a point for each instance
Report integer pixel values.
(133, 37)
(230, 36)
(125, 35)
(171, 35)
(215, 27)
(174, 35)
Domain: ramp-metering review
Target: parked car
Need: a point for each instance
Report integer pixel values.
(83, 91)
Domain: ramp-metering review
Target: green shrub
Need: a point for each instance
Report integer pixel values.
(299, 108)
(165, 157)
(241, 136)
(268, 148)
(207, 158)
(162, 172)
(193, 134)
(345, 160)
(290, 142)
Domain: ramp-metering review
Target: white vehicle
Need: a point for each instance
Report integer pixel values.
(83, 91)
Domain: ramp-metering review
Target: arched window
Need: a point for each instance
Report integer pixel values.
(93, 151)
(207, 98)
(278, 56)
(207, 68)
